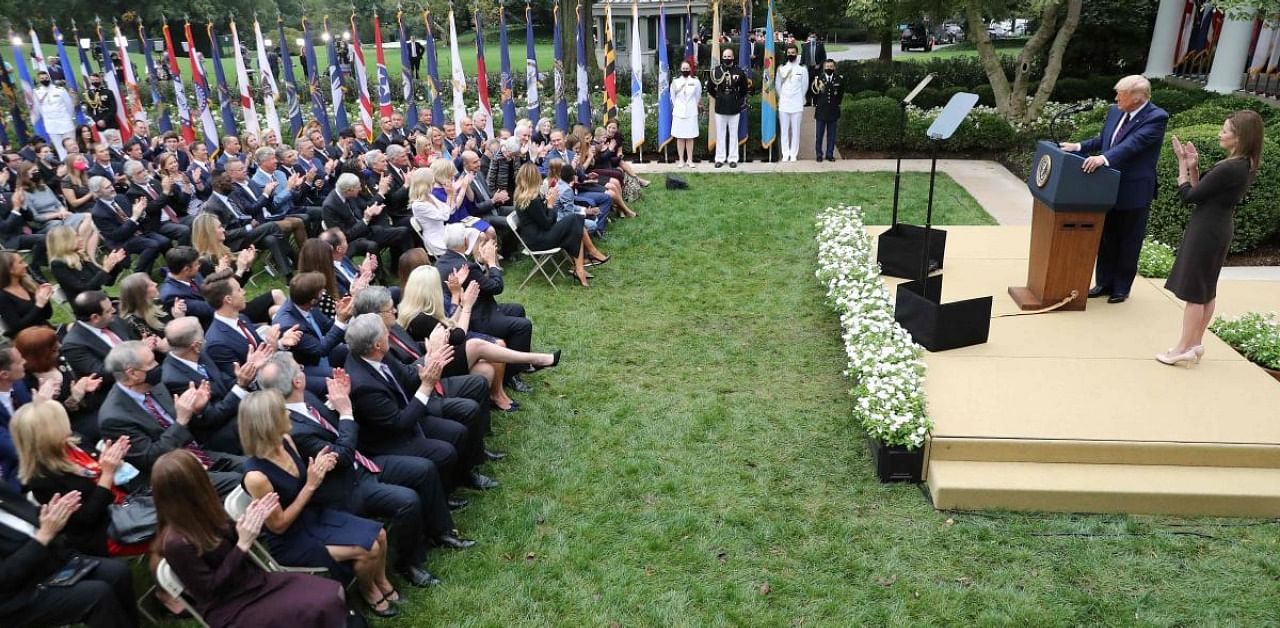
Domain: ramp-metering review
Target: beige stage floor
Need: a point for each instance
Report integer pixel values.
(1071, 381)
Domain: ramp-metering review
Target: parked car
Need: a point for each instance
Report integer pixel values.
(917, 36)
(951, 33)
(997, 31)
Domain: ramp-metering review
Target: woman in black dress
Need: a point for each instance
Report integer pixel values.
(210, 555)
(42, 351)
(72, 265)
(1194, 277)
(540, 229)
(23, 304)
(140, 306)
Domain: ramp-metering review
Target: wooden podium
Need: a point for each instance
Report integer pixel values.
(1068, 212)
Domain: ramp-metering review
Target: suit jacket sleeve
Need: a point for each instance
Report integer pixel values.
(111, 226)
(311, 348)
(310, 442)
(90, 277)
(223, 355)
(84, 362)
(1150, 133)
(19, 569)
(490, 280)
(377, 409)
(143, 451)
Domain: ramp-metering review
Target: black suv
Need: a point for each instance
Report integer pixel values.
(917, 36)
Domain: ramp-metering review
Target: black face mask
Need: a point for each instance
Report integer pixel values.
(154, 376)
(45, 82)
(728, 63)
(685, 72)
(791, 57)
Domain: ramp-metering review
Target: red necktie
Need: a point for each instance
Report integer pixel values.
(248, 335)
(369, 465)
(149, 403)
(404, 347)
(115, 340)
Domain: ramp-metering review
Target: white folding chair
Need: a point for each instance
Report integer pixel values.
(542, 259)
(236, 503)
(173, 586)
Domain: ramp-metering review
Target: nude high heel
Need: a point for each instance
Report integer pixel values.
(1187, 357)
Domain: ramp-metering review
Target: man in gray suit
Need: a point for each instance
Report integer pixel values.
(139, 407)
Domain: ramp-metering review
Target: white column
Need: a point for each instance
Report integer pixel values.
(1164, 39)
(1231, 57)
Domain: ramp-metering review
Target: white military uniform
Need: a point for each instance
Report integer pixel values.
(58, 112)
(793, 84)
(686, 91)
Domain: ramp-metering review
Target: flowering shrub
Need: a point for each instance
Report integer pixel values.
(1256, 336)
(884, 365)
(1156, 259)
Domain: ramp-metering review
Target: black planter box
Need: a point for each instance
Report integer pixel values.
(900, 249)
(896, 464)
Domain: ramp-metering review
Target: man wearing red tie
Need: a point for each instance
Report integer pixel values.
(163, 214)
(120, 221)
(231, 336)
(95, 333)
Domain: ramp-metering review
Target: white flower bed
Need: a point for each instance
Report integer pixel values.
(884, 364)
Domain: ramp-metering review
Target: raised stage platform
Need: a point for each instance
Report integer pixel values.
(1069, 411)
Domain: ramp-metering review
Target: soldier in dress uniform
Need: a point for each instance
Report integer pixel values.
(101, 103)
(729, 86)
(827, 91)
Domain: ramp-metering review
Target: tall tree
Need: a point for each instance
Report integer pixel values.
(1057, 23)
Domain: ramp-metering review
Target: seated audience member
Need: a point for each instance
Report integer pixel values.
(611, 155)
(479, 199)
(366, 228)
(75, 186)
(422, 314)
(504, 166)
(13, 395)
(591, 179)
(450, 189)
(189, 272)
(188, 365)
(430, 211)
(160, 215)
(249, 199)
(182, 193)
(72, 265)
(200, 170)
(42, 203)
(210, 555)
(96, 331)
(317, 257)
(23, 304)
(540, 229)
(289, 187)
(231, 337)
(321, 340)
(46, 370)
(13, 229)
(108, 166)
(301, 531)
(51, 463)
(455, 414)
(595, 217)
(140, 306)
(349, 277)
(139, 407)
(210, 239)
(120, 223)
(403, 489)
(33, 551)
(410, 261)
(229, 151)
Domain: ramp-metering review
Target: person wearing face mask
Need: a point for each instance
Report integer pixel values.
(827, 90)
(57, 108)
(101, 104)
(729, 85)
(686, 93)
(793, 86)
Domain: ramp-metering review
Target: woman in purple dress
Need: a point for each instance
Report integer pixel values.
(210, 555)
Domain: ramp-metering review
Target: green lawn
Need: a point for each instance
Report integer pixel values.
(693, 461)
(1008, 47)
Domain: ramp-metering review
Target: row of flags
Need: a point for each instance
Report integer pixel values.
(195, 118)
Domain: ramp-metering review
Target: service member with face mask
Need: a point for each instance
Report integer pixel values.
(686, 93)
(58, 111)
(827, 91)
(793, 87)
(729, 85)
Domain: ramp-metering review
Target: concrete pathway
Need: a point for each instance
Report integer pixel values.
(859, 52)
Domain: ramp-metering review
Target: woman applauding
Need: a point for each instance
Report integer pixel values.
(1214, 194)
(540, 229)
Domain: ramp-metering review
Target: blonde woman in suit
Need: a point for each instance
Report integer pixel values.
(686, 93)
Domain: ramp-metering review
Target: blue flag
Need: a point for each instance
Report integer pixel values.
(534, 109)
(26, 86)
(313, 83)
(68, 72)
(664, 81)
(335, 81)
(768, 97)
(505, 84)
(224, 92)
(433, 73)
(557, 72)
(290, 83)
(744, 62)
(580, 50)
(165, 124)
(406, 73)
(690, 50)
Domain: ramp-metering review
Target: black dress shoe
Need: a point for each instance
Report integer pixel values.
(457, 503)
(519, 385)
(1099, 291)
(819, 159)
(1117, 298)
(482, 482)
(555, 361)
(419, 577)
(733, 164)
(453, 540)
(719, 164)
(494, 455)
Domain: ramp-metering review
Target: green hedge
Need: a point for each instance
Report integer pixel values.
(1257, 217)
(870, 124)
(1176, 100)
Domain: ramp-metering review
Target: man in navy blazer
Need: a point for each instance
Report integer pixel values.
(13, 395)
(183, 282)
(231, 335)
(1130, 142)
(120, 223)
(321, 343)
(345, 271)
(188, 364)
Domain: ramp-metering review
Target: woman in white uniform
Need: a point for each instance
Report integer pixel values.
(686, 92)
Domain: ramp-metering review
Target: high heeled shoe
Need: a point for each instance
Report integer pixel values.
(1170, 358)
(1199, 349)
(555, 361)
(582, 279)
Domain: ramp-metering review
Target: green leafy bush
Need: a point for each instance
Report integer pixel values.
(1071, 89)
(1155, 259)
(1256, 219)
(897, 93)
(1210, 112)
(928, 98)
(1176, 100)
(866, 93)
(986, 95)
(1256, 336)
(870, 123)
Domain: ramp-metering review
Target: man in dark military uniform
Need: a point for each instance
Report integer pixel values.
(827, 90)
(728, 85)
(100, 103)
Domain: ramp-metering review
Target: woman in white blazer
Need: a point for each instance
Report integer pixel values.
(686, 93)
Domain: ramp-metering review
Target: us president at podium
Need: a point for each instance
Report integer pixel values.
(1130, 142)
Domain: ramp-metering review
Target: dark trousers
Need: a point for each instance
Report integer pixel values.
(436, 445)
(408, 492)
(827, 129)
(177, 232)
(267, 236)
(464, 418)
(103, 599)
(34, 243)
(1118, 251)
(507, 321)
(147, 246)
(397, 239)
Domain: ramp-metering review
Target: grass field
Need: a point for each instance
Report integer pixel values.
(1009, 47)
(693, 461)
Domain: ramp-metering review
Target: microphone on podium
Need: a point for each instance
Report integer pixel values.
(1076, 108)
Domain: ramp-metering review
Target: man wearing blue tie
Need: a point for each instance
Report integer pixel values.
(1130, 142)
(321, 343)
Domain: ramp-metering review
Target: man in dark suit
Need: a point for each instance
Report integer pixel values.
(104, 166)
(345, 271)
(13, 395)
(826, 93)
(188, 365)
(367, 229)
(183, 281)
(813, 54)
(231, 336)
(91, 337)
(242, 230)
(503, 320)
(321, 341)
(120, 223)
(1130, 142)
(139, 407)
(403, 489)
(394, 422)
(160, 216)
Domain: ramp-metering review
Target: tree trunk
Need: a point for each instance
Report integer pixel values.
(1011, 98)
(886, 44)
